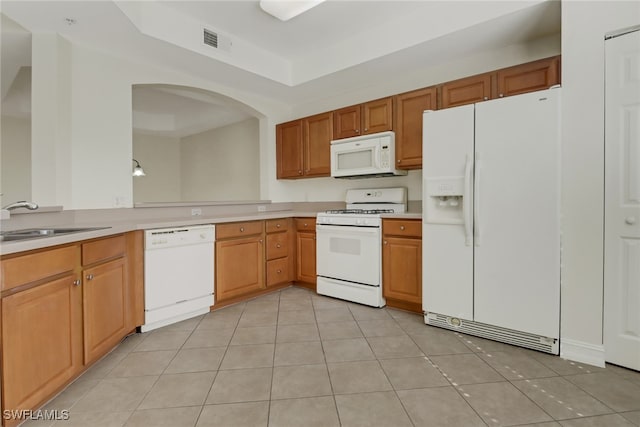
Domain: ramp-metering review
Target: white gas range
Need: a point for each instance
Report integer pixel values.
(349, 245)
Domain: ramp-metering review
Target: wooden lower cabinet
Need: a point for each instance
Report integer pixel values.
(402, 264)
(105, 301)
(41, 342)
(239, 266)
(279, 251)
(62, 309)
(306, 251)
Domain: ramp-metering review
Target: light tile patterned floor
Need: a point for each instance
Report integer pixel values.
(293, 358)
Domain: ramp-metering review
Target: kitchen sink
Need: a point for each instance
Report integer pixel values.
(37, 233)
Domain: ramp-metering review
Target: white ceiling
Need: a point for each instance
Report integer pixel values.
(335, 47)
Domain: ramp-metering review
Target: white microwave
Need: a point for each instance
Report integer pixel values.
(365, 156)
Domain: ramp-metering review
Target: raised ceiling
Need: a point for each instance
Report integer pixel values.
(314, 55)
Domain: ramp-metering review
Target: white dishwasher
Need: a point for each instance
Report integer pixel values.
(178, 274)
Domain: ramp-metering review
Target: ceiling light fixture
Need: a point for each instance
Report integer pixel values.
(137, 170)
(287, 9)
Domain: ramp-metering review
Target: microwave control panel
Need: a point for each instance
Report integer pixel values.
(384, 156)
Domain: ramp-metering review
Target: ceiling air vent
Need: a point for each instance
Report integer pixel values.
(210, 38)
(216, 40)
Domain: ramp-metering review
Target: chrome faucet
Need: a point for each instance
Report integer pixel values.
(21, 204)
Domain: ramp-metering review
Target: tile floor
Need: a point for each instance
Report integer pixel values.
(293, 358)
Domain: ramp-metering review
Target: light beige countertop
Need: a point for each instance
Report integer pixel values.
(120, 225)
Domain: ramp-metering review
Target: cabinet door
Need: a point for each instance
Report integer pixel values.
(306, 257)
(105, 303)
(289, 150)
(409, 109)
(318, 133)
(466, 91)
(346, 122)
(402, 269)
(377, 116)
(41, 341)
(537, 75)
(239, 267)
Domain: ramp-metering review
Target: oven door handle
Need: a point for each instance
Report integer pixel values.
(350, 229)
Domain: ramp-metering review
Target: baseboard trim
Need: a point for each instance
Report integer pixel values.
(582, 352)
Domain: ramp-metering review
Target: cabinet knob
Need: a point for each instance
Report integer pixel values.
(277, 225)
(299, 172)
(77, 282)
(398, 160)
(242, 229)
(306, 225)
(366, 129)
(89, 276)
(278, 245)
(385, 242)
(501, 95)
(402, 227)
(279, 271)
(357, 130)
(485, 98)
(260, 240)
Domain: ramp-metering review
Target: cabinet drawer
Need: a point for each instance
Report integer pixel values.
(278, 271)
(306, 224)
(103, 249)
(238, 229)
(401, 227)
(275, 225)
(29, 268)
(277, 245)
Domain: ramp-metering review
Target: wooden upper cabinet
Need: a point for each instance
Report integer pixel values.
(317, 136)
(370, 117)
(409, 108)
(303, 147)
(537, 75)
(377, 116)
(289, 152)
(346, 122)
(466, 91)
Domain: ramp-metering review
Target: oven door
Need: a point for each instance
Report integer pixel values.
(349, 253)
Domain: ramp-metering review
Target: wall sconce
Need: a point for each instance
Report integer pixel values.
(137, 170)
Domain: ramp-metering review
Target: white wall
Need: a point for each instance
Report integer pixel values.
(83, 119)
(51, 116)
(15, 146)
(584, 25)
(330, 189)
(222, 164)
(160, 158)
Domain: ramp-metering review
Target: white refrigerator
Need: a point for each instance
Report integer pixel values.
(491, 219)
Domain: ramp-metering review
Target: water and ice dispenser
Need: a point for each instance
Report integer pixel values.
(444, 201)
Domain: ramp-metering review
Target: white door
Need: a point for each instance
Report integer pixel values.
(517, 213)
(622, 201)
(447, 251)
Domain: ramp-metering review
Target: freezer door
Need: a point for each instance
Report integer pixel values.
(447, 251)
(517, 213)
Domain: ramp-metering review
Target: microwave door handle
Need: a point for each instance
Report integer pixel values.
(376, 156)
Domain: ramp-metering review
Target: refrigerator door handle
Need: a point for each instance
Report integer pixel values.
(466, 202)
(476, 201)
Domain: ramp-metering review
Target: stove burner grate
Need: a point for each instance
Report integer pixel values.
(360, 211)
